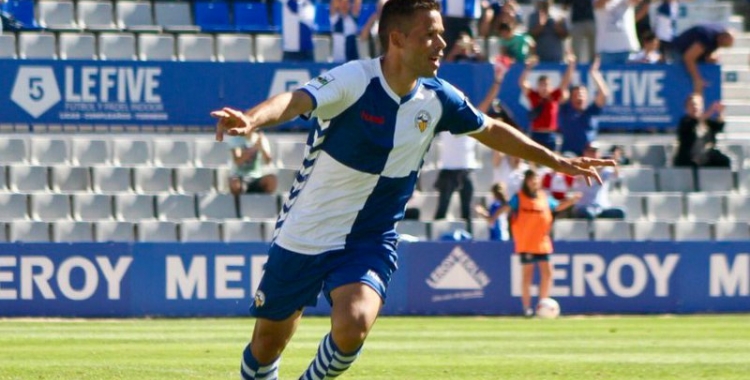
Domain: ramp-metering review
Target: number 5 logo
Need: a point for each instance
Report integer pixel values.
(35, 90)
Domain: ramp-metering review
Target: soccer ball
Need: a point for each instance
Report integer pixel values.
(547, 308)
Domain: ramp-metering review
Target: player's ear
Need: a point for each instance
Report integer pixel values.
(397, 38)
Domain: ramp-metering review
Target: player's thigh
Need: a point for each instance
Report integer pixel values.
(355, 306)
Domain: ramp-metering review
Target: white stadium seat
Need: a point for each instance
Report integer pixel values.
(77, 46)
(234, 48)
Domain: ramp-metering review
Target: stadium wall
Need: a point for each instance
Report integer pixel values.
(435, 278)
(183, 93)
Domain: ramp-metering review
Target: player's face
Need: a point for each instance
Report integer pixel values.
(424, 45)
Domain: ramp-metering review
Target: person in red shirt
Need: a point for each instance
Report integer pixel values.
(545, 102)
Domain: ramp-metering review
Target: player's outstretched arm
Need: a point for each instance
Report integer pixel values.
(278, 109)
(506, 139)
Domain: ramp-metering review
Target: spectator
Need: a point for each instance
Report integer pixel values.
(549, 34)
(577, 125)
(642, 19)
(665, 26)
(696, 135)
(344, 16)
(650, 50)
(698, 45)
(582, 28)
(371, 29)
(545, 102)
(496, 214)
(298, 25)
(466, 49)
(509, 171)
(251, 159)
(594, 202)
(496, 12)
(615, 30)
(458, 17)
(457, 161)
(516, 46)
(617, 153)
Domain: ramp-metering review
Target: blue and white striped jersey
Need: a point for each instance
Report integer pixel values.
(363, 156)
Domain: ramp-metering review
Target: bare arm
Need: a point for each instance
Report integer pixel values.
(642, 11)
(494, 89)
(598, 4)
(568, 76)
(602, 90)
(265, 148)
(690, 57)
(541, 21)
(568, 202)
(356, 8)
(561, 28)
(522, 82)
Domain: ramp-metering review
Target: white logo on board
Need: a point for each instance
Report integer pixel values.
(461, 274)
(287, 80)
(35, 90)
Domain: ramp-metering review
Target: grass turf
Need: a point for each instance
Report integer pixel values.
(577, 348)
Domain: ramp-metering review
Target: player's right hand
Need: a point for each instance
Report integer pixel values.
(231, 122)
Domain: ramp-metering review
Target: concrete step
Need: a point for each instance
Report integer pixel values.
(736, 125)
(742, 41)
(736, 22)
(734, 56)
(735, 91)
(736, 107)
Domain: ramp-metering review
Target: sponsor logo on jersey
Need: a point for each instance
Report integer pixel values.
(321, 80)
(422, 121)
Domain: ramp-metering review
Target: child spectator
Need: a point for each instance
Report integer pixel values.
(516, 46)
(496, 214)
(650, 52)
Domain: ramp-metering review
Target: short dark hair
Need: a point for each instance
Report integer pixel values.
(398, 14)
(648, 36)
(504, 27)
(542, 78)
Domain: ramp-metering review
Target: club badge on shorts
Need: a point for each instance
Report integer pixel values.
(422, 121)
(260, 298)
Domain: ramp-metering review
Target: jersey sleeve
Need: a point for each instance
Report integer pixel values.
(335, 90)
(553, 203)
(459, 115)
(514, 203)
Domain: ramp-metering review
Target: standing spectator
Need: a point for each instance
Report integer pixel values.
(371, 29)
(496, 214)
(545, 102)
(466, 49)
(642, 19)
(616, 37)
(251, 159)
(344, 16)
(665, 25)
(650, 50)
(582, 28)
(459, 16)
(516, 46)
(594, 202)
(577, 125)
(696, 135)
(457, 161)
(549, 34)
(698, 45)
(496, 12)
(298, 25)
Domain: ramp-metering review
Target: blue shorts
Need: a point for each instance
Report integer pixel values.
(292, 280)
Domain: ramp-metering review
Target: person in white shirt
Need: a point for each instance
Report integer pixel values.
(650, 52)
(344, 14)
(616, 37)
(594, 202)
(457, 162)
(298, 26)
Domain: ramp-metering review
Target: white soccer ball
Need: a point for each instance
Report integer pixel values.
(547, 308)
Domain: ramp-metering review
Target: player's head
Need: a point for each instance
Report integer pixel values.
(412, 29)
(542, 85)
(694, 105)
(498, 191)
(530, 183)
(579, 97)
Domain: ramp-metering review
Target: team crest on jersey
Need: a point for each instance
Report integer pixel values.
(260, 298)
(422, 121)
(321, 80)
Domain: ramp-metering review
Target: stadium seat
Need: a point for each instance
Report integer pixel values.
(427, 178)
(240, 231)
(702, 206)
(96, 15)
(175, 207)
(438, 228)
(631, 203)
(152, 180)
(8, 46)
(253, 17)
(322, 49)
(56, 15)
(611, 230)
(676, 179)
(234, 48)
(27, 178)
(3, 179)
(85, 152)
(637, 179)
(174, 16)
(194, 180)
(112, 231)
(70, 179)
(134, 207)
(652, 231)
(222, 180)
(738, 207)
(3, 232)
(651, 155)
(132, 152)
(685, 230)
(36, 45)
(322, 17)
(414, 228)
(49, 207)
(259, 206)
(289, 154)
(743, 180)
(731, 231)
(571, 230)
(72, 232)
(479, 230)
(49, 151)
(23, 12)
(77, 46)
(198, 48)
(664, 206)
(135, 16)
(117, 46)
(216, 206)
(172, 153)
(192, 231)
(157, 232)
(268, 48)
(156, 47)
(212, 16)
(111, 179)
(92, 207)
(715, 180)
(211, 154)
(13, 151)
(28, 231)
(14, 206)
(426, 202)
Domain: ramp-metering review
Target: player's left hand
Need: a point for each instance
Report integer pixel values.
(231, 122)
(584, 166)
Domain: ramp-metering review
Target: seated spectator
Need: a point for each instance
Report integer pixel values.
(577, 126)
(698, 45)
(251, 161)
(594, 202)
(343, 17)
(516, 46)
(617, 153)
(696, 135)
(466, 49)
(665, 26)
(549, 34)
(497, 213)
(649, 50)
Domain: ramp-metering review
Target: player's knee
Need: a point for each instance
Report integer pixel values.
(350, 335)
(267, 347)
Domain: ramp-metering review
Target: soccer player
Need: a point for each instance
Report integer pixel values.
(336, 233)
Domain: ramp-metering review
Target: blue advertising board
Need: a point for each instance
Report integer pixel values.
(435, 278)
(183, 93)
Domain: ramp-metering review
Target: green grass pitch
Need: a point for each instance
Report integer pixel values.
(575, 348)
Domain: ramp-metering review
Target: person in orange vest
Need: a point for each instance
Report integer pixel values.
(530, 223)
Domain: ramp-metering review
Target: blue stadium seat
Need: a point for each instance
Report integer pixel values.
(212, 16)
(23, 12)
(253, 17)
(323, 17)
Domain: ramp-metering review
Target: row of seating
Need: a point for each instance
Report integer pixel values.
(607, 230)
